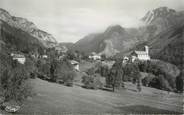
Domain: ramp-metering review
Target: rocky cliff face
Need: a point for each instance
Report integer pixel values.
(110, 42)
(153, 15)
(163, 18)
(21, 23)
(14, 39)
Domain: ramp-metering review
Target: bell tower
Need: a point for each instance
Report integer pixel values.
(147, 49)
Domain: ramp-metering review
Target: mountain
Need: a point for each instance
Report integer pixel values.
(161, 13)
(21, 23)
(18, 40)
(68, 45)
(169, 46)
(115, 39)
(166, 35)
(162, 32)
(163, 18)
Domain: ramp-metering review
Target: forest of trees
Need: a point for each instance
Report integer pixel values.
(14, 77)
(56, 70)
(156, 77)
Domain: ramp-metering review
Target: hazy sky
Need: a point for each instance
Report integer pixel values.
(70, 20)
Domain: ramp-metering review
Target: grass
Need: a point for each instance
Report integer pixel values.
(53, 98)
(143, 110)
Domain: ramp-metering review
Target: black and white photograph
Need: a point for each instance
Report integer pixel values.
(91, 57)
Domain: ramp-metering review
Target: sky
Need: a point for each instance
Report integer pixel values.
(71, 20)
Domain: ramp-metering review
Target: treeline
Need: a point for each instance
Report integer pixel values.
(14, 77)
(14, 85)
(156, 77)
(174, 52)
(57, 66)
(103, 76)
(55, 70)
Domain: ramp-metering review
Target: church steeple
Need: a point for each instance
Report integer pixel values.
(147, 49)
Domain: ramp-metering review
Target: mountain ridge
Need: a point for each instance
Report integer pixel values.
(21, 23)
(17, 40)
(119, 41)
(106, 40)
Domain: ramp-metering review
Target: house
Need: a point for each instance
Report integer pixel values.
(44, 56)
(141, 55)
(125, 59)
(19, 57)
(94, 56)
(75, 64)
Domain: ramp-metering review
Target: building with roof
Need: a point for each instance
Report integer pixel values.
(19, 57)
(44, 56)
(125, 59)
(141, 55)
(94, 56)
(75, 64)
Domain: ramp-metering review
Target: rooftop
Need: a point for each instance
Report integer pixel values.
(140, 52)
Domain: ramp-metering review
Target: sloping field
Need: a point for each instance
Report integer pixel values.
(53, 98)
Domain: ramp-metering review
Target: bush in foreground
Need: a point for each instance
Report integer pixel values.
(179, 83)
(14, 84)
(93, 81)
(68, 78)
(62, 71)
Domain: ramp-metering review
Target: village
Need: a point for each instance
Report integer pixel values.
(83, 76)
(93, 61)
(91, 57)
(136, 55)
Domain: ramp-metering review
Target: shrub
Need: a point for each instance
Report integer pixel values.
(155, 83)
(14, 83)
(99, 81)
(103, 70)
(53, 67)
(146, 81)
(91, 71)
(43, 69)
(31, 67)
(88, 80)
(116, 76)
(43, 66)
(71, 55)
(139, 85)
(166, 73)
(131, 70)
(63, 71)
(109, 79)
(179, 83)
(68, 78)
(164, 84)
(93, 81)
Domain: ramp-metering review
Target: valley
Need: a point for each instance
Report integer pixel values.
(120, 70)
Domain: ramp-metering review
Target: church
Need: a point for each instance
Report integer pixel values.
(141, 55)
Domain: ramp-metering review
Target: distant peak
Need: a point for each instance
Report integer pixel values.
(156, 13)
(115, 28)
(163, 11)
(3, 10)
(27, 26)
